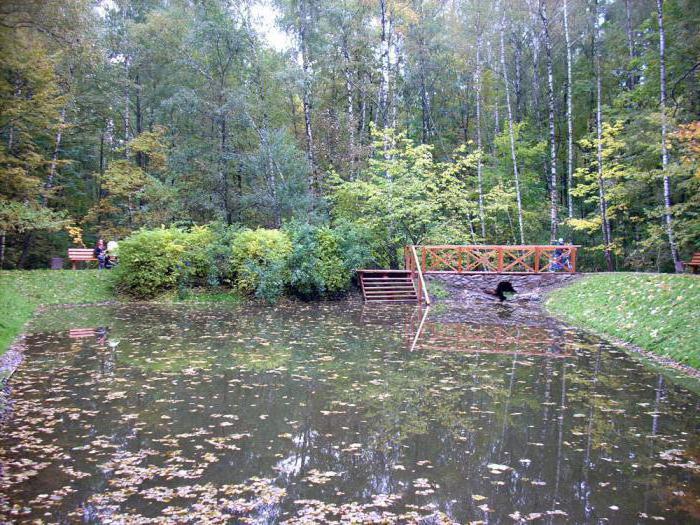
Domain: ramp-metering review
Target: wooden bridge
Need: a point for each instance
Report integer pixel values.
(408, 285)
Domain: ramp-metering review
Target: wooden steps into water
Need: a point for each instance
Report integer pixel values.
(389, 286)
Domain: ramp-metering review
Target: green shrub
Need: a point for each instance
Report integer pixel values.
(360, 247)
(151, 261)
(305, 279)
(317, 264)
(335, 273)
(259, 262)
(219, 253)
(196, 255)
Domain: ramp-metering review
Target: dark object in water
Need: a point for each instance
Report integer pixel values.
(502, 288)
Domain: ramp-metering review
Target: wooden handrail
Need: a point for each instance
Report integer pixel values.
(490, 258)
(424, 288)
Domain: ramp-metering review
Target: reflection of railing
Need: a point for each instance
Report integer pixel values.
(413, 265)
(478, 258)
(486, 338)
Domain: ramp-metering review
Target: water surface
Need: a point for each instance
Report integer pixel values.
(339, 411)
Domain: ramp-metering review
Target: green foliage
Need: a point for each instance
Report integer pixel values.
(318, 267)
(405, 196)
(259, 262)
(206, 123)
(152, 261)
(332, 268)
(659, 313)
(218, 253)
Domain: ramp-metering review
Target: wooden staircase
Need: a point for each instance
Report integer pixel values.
(389, 286)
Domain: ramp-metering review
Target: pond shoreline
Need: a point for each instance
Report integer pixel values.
(651, 316)
(646, 356)
(457, 293)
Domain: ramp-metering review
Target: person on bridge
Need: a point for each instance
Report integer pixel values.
(560, 260)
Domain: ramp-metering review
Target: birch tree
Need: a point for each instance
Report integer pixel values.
(569, 115)
(479, 145)
(602, 200)
(303, 35)
(511, 131)
(668, 213)
(553, 182)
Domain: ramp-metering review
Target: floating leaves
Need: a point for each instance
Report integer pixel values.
(309, 413)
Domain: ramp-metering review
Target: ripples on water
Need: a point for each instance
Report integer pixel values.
(339, 411)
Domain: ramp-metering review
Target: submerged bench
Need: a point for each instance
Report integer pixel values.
(694, 262)
(75, 255)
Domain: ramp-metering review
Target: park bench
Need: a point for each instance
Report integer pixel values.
(75, 255)
(694, 262)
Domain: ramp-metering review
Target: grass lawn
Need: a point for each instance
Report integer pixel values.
(657, 312)
(22, 291)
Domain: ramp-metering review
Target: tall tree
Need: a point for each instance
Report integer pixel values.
(511, 130)
(668, 212)
(553, 182)
(602, 199)
(569, 115)
(303, 29)
(479, 144)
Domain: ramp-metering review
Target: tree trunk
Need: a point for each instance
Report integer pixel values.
(2, 249)
(222, 170)
(569, 116)
(631, 78)
(26, 245)
(424, 95)
(127, 102)
(535, 68)
(56, 149)
(518, 81)
(668, 214)
(511, 131)
(553, 182)
(350, 107)
(479, 165)
(605, 225)
(140, 157)
(306, 97)
(385, 65)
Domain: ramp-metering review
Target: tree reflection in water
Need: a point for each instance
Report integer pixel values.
(338, 411)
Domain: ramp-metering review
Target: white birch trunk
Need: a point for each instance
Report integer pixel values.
(668, 214)
(511, 131)
(56, 149)
(479, 165)
(385, 65)
(350, 110)
(553, 182)
(599, 146)
(306, 98)
(569, 116)
(631, 80)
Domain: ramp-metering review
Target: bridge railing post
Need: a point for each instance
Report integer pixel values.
(500, 258)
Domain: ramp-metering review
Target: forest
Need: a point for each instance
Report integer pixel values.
(400, 121)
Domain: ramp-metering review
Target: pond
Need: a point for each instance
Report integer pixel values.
(308, 413)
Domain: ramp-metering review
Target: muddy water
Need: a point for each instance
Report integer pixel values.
(339, 411)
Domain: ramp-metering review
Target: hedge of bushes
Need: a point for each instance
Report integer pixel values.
(301, 260)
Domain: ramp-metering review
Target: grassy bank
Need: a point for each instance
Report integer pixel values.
(657, 312)
(22, 291)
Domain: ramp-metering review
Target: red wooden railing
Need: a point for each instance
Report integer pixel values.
(412, 264)
(477, 258)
